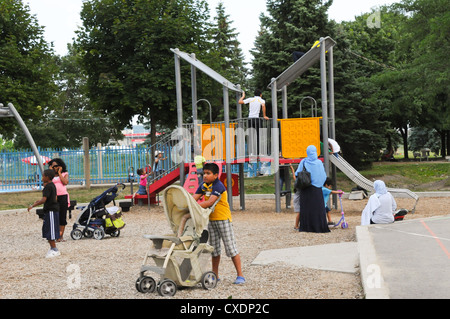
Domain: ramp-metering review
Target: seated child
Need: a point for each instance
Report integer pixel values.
(326, 189)
(182, 224)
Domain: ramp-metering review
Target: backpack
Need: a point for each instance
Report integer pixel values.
(303, 179)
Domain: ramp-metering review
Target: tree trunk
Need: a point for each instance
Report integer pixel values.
(444, 148)
(404, 133)
(152, 139)
(448, 143)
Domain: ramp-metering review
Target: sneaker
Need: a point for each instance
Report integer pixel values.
(239, 280)
(52, 253)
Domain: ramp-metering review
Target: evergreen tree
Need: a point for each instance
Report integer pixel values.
(294, 25)
(226, 58)
(226, 47)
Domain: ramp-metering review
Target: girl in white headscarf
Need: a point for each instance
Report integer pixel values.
(380, 207)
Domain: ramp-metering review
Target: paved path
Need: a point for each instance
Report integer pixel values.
(404, 260)
(408, 259)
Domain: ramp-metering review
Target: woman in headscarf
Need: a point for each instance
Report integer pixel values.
(312, 207)
(381, 206)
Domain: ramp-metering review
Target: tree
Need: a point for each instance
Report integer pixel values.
(383, 63)
(27, 66)
(125, 49)
(73, 116)
(424, 138)
(427, 30)
(294, 25)
(225, 57)
(226, 47)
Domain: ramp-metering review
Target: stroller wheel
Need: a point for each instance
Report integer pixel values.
(88, 233)
(209, 280)
(115, 233)
(167, 288)
(76, 234)
(99, 233)
(146, 284)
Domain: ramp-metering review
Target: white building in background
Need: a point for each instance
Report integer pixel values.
(134, 136)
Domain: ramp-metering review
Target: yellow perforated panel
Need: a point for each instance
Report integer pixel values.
(298, 134)
(213, 141)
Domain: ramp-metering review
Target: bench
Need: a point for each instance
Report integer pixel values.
(73, 203)
(140, 200)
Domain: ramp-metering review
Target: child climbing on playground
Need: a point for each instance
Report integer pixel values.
(327, 190)
(142, 181)
(50, 226)
(220, 225)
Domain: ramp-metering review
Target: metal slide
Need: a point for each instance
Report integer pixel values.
(363, 182)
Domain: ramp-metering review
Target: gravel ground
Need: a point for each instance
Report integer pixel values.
(108, 268)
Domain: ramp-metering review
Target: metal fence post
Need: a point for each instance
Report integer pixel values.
(87, 164)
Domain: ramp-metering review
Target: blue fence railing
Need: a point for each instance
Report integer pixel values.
(109, 164)
(20, 172)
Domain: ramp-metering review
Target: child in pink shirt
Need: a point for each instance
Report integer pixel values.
(142, 182)
(61, 180)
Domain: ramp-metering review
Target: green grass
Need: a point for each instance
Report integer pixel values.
(414, 176)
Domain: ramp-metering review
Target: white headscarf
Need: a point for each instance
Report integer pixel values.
(380, 188)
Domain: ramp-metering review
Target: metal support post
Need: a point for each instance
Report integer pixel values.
(228, 146)
(275, 147)
(180, 115)
(28, 136)
(323, 77)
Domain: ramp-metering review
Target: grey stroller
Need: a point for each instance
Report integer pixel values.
(179, 258)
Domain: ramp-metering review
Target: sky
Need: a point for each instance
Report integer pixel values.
(62, 17)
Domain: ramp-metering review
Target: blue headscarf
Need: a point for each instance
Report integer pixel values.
(314, 166)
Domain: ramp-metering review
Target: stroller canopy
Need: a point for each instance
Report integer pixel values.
(177, 202)
(105, 198)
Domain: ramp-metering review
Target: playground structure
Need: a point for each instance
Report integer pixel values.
(231, 135)
(295, 134)
(10, 111)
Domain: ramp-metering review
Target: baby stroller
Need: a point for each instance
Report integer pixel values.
(95, 220)
(179, 258)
